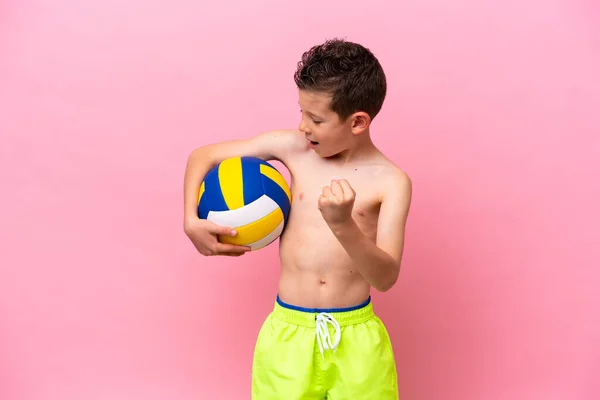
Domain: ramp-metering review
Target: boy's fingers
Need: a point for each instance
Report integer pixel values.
(336, 189)
(233, 254)
(223, 230)
(348, 191)
(231, 248)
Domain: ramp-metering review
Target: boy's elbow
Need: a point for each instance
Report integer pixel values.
(388, 283)
(199, 153)
(202, 156)
(384, 287)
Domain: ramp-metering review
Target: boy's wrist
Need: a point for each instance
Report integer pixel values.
(189, 220)
(345, 229)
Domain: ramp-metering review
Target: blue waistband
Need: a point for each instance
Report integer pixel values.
(325, 310)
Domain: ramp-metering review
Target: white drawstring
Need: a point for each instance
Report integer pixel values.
(323, 336)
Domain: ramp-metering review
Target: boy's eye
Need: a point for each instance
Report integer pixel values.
(313, 121)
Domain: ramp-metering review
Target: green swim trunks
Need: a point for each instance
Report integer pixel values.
(335, 354)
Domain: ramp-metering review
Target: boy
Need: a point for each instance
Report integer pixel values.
(345, 234)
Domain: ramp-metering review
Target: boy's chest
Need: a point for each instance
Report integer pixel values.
(307, 186)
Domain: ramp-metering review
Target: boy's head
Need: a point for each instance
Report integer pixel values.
(342, 87)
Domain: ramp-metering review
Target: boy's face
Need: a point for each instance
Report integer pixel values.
(326, 133)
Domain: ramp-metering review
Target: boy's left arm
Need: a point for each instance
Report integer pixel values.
(379, 263)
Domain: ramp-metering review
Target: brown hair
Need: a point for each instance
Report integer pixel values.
(347, 71)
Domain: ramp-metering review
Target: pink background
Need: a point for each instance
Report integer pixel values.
(493, 109)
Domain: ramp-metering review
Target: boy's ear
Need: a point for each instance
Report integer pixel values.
(360, 122)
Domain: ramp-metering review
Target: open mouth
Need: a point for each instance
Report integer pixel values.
(312, 142)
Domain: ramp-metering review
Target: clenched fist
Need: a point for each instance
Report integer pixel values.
(336, 202)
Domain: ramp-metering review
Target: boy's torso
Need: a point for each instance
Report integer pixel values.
(316, 271)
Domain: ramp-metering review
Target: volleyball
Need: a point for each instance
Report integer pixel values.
(249, 195)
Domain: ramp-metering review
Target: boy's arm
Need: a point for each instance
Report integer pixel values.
(379, 263)
(276, 145)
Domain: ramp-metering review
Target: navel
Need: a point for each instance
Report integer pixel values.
(360, 212)
(322, 281)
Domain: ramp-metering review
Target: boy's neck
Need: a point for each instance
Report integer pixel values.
(361, 148)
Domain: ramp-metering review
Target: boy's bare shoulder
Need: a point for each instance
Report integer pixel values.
(394, 181)
(283, 143)
(289, 138)
(397, 174)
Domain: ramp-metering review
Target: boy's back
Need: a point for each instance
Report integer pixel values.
(344, 235)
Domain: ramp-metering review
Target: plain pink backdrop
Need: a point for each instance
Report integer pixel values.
(493, 109)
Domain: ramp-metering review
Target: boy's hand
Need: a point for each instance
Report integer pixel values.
(203, 234)
(336, 202)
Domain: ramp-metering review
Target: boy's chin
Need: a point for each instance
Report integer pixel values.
(327, 154)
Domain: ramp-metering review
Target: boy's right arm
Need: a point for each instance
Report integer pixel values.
(276, 145)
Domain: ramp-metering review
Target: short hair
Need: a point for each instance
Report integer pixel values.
(348, 72)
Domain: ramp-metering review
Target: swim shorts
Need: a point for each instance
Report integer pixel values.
(334, 354)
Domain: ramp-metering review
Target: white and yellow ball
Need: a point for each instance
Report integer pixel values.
(248, 194)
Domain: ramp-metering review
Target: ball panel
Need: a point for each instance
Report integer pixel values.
(270, 238)
(231, 183)
(256, 230)
(251, 179)
(213, 193)
(201, 191)
(203, 208)
(276, 177)
(245, 215)
(275, 192)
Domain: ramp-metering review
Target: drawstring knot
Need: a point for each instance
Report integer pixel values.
(323, 336)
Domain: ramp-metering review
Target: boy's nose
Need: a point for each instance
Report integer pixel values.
(302, 126)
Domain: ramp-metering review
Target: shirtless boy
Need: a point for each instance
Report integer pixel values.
(345, 234)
